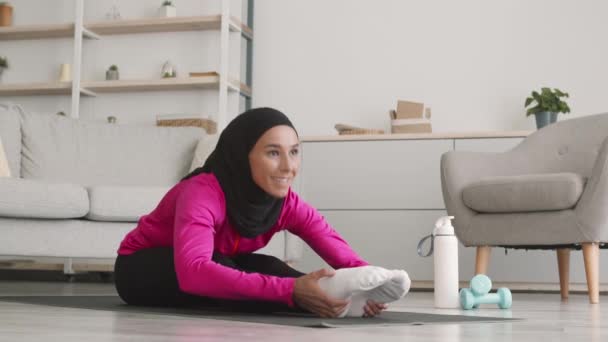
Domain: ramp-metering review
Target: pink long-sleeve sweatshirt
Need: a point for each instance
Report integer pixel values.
(192, 219)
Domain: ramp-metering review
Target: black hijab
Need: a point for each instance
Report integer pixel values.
(250, 209)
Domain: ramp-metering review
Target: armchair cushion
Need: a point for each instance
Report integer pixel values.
(524, 193)
(42, 200)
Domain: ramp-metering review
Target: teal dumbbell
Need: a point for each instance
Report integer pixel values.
(479, 293)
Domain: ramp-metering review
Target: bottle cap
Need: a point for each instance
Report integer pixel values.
(443, 226)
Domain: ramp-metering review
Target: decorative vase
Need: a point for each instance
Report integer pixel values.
(1, 72)
(545, 118)
(112, 75)
(6, 15)
(167, 11)
(65, 73)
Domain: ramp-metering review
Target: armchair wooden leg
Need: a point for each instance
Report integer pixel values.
(591, 255)
(483, 259)
(563, 264)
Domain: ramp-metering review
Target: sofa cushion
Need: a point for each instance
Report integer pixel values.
(63, 149)
(123, 203)
(205, 146)
(43, 200)
(10, 131)
(524, 193)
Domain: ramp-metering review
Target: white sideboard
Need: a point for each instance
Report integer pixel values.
(383, 194)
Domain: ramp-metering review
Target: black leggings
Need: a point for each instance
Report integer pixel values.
(147, 278)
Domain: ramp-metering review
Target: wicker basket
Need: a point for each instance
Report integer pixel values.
(209, 126)
(348, 130)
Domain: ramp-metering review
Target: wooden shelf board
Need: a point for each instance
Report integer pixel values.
(37, 31)
(152, 25)
(152, 85)
(243, 88)
(26, 32)
(39, 88)
(91, 88)
(245, 30)
(125, 26)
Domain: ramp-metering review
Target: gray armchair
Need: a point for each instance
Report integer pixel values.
(549, 192)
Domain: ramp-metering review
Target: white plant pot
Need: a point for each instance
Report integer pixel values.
(167, 11)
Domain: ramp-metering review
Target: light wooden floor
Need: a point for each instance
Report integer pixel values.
(546, 319)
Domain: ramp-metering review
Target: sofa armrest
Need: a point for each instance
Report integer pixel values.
(591, 208)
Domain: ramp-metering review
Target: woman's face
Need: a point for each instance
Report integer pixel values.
(275, 160)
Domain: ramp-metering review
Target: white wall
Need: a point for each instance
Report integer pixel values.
(325, 62)
(472, 61)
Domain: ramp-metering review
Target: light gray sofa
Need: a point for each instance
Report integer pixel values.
(549, 192)
(78, 187)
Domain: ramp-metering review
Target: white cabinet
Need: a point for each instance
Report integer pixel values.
(383, 196)
(396, 174)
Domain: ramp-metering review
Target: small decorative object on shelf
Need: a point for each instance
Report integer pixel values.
(65, 72)
(167, 10)
(112, 73)
(168, 70)
(61, 113)
(3, 65)
(349, 130)
(6, 14)
(113, 13)
(548, 105)
(180, 120)
(112, 119)
(410, 117)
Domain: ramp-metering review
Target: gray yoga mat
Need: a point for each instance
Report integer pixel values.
(114, 303)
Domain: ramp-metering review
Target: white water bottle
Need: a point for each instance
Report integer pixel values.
(445, 264)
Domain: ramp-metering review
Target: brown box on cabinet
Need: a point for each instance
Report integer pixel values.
(409, 110)
(414, 118)
(413, 128)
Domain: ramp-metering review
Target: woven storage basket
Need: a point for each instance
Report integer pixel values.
(209, 126)
(347, 130)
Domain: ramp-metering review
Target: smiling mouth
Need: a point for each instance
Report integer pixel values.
(281, 180)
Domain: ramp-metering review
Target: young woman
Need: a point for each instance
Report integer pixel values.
(196, 247)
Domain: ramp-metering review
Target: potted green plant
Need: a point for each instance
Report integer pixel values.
(548, 103)
(6, 14)
(167, 10)
(3, 65)
(112, 73)
(168, 70)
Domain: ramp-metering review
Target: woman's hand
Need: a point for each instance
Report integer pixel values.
(372, 308)
(308, 295)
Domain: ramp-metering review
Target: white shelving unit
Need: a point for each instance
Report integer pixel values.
(225, 23)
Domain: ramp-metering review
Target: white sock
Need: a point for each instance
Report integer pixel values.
(366, 282)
